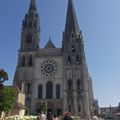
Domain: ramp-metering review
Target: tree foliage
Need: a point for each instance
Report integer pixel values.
(3, 77)
(42, 107)
(7, 94)
(9, 99)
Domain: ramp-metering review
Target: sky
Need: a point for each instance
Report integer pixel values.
(99, 21)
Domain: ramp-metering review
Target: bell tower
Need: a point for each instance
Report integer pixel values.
(77, 92)
(29, 45)
(30, 29)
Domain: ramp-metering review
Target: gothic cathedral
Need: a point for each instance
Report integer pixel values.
(56, 76)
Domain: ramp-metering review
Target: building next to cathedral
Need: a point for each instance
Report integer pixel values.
(56, 76)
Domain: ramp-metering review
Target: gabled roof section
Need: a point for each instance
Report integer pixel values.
(71, 19)
(49, 44)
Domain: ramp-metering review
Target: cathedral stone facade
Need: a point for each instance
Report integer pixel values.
(56, 76)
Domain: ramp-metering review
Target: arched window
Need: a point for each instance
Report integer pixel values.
(78, 84)
(77, 59)
(30, 60)
(21, 86)
(69, 84)
(69, 108)
(49, 88)
(73, 49)
(29, 39)
(79, 108)
(40, 91)
(28, 87)
(57, 91)
(69, 60)
(23, 60)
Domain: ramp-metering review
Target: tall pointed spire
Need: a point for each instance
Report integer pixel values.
(71, 19)
(33, 6)
(30, 29)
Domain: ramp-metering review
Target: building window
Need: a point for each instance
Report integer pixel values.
(40, 91)
(69, 84)
(28, 87)
(49, 88)
(69, 60)
(23, 61)
(69, 108)
(78, 84)
(30, 60)
(57, 91)
(21, 86)
(29, 39)
(73, 49)
(77, 59)
(79, 108)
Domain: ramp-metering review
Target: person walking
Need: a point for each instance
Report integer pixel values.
(49, 116)
(56, 117)
(38, 116)
(95, 118)
(67, 116)
(43, 116)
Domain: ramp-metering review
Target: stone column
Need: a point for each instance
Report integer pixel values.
(54, 90)
(85, 90)
(33, 97)
(86, 98)
(33, 106)
(75, 103)
(86, 105)
(65, 90)
(44, 90)
(74, 77)
(65, 102)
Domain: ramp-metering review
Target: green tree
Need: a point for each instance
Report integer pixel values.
(43, 107)
(10, 95)
(3, 77)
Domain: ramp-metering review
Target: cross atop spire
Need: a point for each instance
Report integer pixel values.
(33, 6)
(71, 19)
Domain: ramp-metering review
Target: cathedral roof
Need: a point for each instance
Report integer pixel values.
(49, 44)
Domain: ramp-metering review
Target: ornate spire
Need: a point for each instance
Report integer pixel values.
(31, 29)
(33, 6)
(71, 19)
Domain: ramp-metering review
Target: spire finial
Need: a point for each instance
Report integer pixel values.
(71, 19)
(33, 5)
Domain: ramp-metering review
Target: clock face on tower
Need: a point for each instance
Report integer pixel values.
(49, 68)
